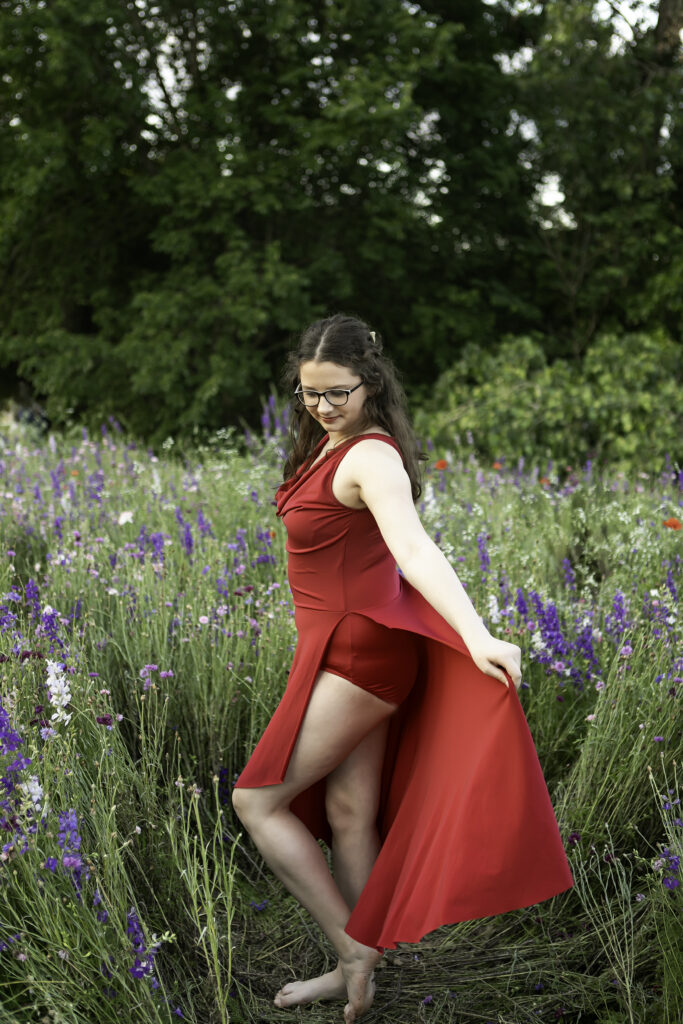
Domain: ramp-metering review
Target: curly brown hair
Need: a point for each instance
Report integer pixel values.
(348, 342)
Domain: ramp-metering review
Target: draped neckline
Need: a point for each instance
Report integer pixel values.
(288, 487)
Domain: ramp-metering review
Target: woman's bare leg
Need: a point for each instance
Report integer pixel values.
(338, 716)
(353, 790)
(352, 805)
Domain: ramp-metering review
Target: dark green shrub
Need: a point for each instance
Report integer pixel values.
(621, 404)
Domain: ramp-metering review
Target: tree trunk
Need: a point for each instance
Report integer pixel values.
(669, 25)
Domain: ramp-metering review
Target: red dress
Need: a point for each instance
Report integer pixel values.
(465, 821)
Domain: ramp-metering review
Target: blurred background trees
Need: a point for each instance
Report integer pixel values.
(184, 187)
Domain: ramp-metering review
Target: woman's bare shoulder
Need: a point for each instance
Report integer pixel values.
(370, 455)
(370, 447)
(369, 468)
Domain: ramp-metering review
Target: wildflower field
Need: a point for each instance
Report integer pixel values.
(146, 631)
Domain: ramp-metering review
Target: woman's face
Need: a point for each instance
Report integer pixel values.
(336, 419)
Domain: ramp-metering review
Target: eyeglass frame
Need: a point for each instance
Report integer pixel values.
(299, 392)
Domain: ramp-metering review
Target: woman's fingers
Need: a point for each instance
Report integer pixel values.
(512, 670)
(512, 664)
(491, 669)
(498, 657)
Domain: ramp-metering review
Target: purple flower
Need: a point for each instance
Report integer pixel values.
(204, 525)
(68, 834)
(102, 915)
(9, 739)
(4, 946)
(484, 560)
(143, 965)
(188, 542)
(618, 622)
(70, 842)
(32, 596)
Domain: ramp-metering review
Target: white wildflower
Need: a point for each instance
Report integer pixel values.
(33, 789)
(125, 517)
(537, 641)
(428, 496)
(59, 692)
(493, 610)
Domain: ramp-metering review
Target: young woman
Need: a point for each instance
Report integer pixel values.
(399, 739)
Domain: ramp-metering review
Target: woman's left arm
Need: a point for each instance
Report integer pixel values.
(384, 486)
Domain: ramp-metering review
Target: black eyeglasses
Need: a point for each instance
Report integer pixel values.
(335, 396)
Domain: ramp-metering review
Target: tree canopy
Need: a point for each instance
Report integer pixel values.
(183, 188)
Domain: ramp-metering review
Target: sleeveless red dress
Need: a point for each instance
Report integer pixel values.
(466, 822)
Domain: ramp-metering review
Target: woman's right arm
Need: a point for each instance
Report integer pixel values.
(384, 486)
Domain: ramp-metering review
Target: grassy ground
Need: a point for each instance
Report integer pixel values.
(145, 636)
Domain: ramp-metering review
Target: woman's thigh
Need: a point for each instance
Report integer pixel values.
(353, 787)
(338, 717)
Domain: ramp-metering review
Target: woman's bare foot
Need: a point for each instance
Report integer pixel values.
(358, 973)
(327, 986)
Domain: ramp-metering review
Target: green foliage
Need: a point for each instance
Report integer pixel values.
(602, 94)
(622, 404)
(182, 189)
(178, 562)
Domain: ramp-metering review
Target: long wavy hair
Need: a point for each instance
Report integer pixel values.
(347, 341)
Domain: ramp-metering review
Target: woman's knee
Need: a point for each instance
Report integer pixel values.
(254, 805)
(350, 812)
(246, 803)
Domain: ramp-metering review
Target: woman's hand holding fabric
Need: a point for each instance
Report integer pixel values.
(493, 656)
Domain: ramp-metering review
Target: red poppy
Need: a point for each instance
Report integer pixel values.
(497, 465)
(441, 464)
(673, 523)
(544, 480)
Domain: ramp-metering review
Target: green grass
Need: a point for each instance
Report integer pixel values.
(151, 791)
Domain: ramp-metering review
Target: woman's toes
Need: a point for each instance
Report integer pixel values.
(297, 993)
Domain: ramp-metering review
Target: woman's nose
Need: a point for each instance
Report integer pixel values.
(324, 405)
